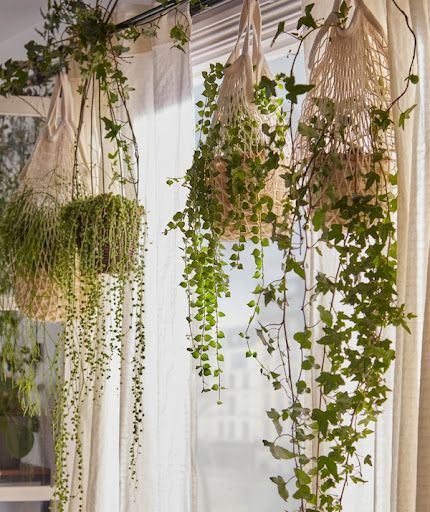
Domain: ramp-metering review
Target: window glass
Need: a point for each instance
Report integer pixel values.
(26, 453)
(234, 467)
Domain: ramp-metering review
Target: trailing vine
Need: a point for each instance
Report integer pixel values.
(78, 250)
(332, 371)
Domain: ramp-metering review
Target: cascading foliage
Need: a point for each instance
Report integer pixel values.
(332, 371)
(84, 247)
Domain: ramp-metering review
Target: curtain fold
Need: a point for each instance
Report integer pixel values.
(411, 446)
(401, 450)
(162, 111)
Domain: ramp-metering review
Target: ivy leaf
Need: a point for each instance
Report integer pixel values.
(294, 90)
(279, 31)
(281, 453)
(318, 219)
(307, 20)
(282, 486)
(307, 131)
(368, 460)
(326, 316)
(304, 339)
(404, 116)
(302, 477)
(275, 416)
(269, 87)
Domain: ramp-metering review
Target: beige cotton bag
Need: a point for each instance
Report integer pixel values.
(50, 179)
(235, 104)
(350, 74)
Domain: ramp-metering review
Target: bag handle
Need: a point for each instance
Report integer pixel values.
(250, 17)
(61, 102)
(331, 21)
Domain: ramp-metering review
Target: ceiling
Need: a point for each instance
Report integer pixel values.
(18, 21)
(20, 18)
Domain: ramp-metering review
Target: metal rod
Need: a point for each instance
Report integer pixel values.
(146, 16)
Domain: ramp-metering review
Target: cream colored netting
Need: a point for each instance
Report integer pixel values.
(236, 109)
(49, 179)
(349, 69)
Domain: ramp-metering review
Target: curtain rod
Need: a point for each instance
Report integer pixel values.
(164, 8)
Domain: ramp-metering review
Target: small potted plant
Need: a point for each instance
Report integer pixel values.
(105, 231)
(16, 428)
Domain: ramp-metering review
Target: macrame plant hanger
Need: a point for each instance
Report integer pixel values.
(236, 108)
(350, 73)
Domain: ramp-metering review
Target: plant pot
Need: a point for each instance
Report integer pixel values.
(274, 187)
(107, 232)
(39, 298)
(16, 440)
(344, 174)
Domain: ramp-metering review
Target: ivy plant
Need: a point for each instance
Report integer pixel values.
(332, 372)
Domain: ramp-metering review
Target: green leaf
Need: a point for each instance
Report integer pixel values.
(304, 339)
(281, 453)
(368, 460)
(302, 477)
(404, 116)
(326, 316)
(275, 416)
(414, 79)
(318, 219)
(280, 30)
(307, 20)
(282, 487)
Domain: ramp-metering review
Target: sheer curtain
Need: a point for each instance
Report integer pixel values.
(162, 110)
(400, 481)
(411, 446)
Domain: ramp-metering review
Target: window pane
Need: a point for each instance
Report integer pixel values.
(234, 467)
(26, 353)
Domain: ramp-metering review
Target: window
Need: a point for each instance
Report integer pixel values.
(234, 467)
(26, 452)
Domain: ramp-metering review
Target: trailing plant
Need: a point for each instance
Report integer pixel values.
(73, 248)
(101, 269)
(331, 372)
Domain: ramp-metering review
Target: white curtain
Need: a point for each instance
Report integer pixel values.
(411, 443)
(162, 110)
(400, 481)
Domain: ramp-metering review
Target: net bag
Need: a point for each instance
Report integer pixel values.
(236, 110)
(49, 179)
(350, 73)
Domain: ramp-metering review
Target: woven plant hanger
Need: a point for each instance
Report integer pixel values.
(350, 73)
(236, 108)
(49, 179)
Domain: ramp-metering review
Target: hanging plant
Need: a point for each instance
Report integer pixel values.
(339, 204)
(73, 233)
(234, 187)
(341, 208)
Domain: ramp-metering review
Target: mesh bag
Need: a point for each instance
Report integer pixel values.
(48, 180)
(236, 109)
(350, 74)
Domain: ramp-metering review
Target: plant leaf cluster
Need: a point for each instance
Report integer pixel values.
(332, 371)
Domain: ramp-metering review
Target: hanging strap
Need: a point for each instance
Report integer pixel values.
(61, 103)
(250, 17)
(332, 20)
